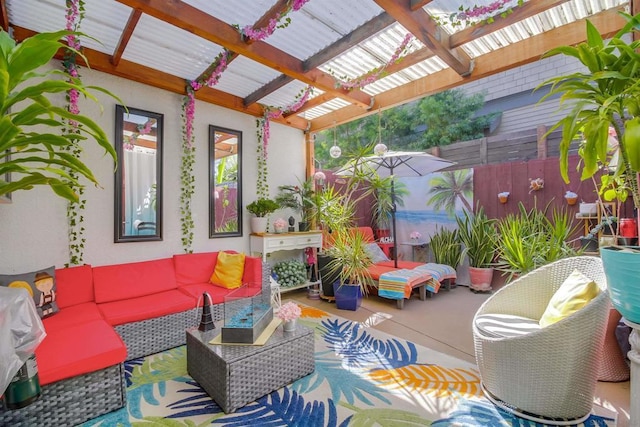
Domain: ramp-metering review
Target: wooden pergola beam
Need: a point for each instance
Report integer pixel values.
(149, 76)
(527, 10)
(424, 28)
(358, 35)
(126, 36)
(195, 21)
(517, 54)
(4, 17)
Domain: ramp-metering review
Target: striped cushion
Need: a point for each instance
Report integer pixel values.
(505, 325)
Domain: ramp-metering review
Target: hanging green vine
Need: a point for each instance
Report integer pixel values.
(75, 218)
(187, 180)
(262, 186)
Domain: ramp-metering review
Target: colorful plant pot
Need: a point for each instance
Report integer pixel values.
(571, 200)
(347, 297)
(623, 281)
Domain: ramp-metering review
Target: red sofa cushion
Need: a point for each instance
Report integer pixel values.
(79, 349)
(217, 293)
(73, 315)
(74, 285)
(146, 307)
(194, 268)
(132, 280)
(197, 268)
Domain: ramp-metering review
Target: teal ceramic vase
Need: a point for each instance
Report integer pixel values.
(622, 268)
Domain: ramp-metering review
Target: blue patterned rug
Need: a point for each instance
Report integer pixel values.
(363, 377)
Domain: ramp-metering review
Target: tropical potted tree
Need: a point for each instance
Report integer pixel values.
(350, 261)
(34, 136)
(603, 98)
(380, 188)
(261, 208)
(479, 236)
(300, 198)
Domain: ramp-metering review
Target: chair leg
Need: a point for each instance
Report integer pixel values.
(400, 303)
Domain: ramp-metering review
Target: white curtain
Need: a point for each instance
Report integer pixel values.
(140, 177)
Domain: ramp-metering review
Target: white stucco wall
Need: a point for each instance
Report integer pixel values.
(33, 228)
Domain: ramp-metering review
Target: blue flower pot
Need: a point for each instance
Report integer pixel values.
(622, 269)
(347, 297)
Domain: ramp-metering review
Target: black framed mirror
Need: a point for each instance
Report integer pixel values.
(225, 182)
(138, 177)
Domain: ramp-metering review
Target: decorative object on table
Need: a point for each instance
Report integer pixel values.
(261, 208)
(536, 184)
(289, 313)
(290, 273)
(588, 209)
(571, 198)
(247, 313)
(503, 197)
(415, 236)
(292, 224)
(280, 225)
(206, 321)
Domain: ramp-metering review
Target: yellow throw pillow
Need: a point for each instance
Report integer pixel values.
(574, 293)
(228, 271)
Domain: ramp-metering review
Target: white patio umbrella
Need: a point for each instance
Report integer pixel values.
(395, 163)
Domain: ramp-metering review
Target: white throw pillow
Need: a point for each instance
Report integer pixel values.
(376, 253)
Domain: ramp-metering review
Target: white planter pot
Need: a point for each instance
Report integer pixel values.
(258, 225)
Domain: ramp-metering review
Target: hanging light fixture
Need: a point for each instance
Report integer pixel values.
(335, 151)
(380, 148)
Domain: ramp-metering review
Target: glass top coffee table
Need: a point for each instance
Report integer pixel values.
(234, 375)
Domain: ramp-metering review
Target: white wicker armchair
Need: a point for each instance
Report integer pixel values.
(548, 375)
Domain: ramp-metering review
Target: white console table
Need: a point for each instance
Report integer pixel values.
(267, 243)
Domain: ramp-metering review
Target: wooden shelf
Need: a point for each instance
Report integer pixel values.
(284, 289)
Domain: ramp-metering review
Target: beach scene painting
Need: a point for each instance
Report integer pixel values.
(432, 202)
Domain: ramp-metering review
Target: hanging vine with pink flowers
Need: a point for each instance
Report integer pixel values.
(76, 232)
(218, 66)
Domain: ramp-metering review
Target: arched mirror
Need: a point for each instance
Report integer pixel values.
(138, 185)
(225, 182)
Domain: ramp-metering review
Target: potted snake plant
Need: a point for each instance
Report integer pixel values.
(479, 236)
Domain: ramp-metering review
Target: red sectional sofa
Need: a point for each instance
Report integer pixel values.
(114, 313)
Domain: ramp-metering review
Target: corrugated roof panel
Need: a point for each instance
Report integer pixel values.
(103, 21)
(325, 108)
(319, 24)
(240, 12)
(285, 96)
(244, 76)
(158, 45)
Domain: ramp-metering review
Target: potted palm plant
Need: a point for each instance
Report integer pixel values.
(380, 188)
(603, 98)
(34, 135)
(350, 261)
(261, 208)
(479, 236)
(300, 198)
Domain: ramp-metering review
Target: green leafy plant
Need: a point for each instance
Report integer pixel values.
(529, 239)
(262, 207)
(34, 137)
(446, 247)
(479, 235)
(605, 97)
(380, 187)
(301, 198)
(350, 260)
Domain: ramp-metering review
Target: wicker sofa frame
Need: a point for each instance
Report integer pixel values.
(73, 400)
(78, 399)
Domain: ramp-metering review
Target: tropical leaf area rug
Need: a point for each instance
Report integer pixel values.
(362, 377)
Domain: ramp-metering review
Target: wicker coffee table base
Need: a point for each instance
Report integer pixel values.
(236, 375)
